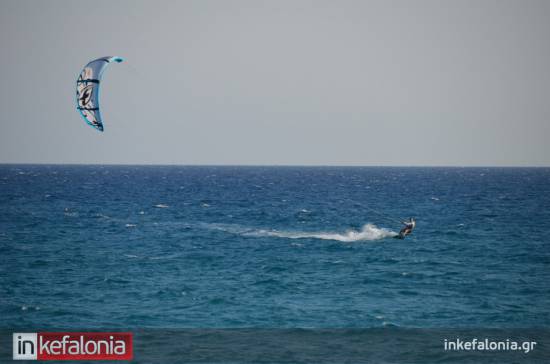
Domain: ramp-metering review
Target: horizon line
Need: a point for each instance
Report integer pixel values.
(271, 165)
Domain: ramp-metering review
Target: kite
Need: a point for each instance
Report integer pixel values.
(87, 90)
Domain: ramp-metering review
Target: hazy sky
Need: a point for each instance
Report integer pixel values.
(279, 82)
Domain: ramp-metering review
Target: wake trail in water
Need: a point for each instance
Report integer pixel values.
(368, 232)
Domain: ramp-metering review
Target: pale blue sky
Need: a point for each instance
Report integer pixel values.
(279, 82)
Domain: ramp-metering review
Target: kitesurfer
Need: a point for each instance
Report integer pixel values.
(408, 228)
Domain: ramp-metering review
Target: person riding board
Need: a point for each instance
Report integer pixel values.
(408, 228)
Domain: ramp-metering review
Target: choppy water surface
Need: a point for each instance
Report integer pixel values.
(129, 246)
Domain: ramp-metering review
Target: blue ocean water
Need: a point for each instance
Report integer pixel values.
(273, 247)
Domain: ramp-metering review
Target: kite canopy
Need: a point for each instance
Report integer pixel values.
(87, 90)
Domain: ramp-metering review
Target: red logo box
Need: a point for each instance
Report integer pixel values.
(73, 346)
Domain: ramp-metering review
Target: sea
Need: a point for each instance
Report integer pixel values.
(90, 247)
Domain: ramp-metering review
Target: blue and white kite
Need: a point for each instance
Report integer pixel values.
(87, 90)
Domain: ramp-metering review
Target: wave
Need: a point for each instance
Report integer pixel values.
(368, 232)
